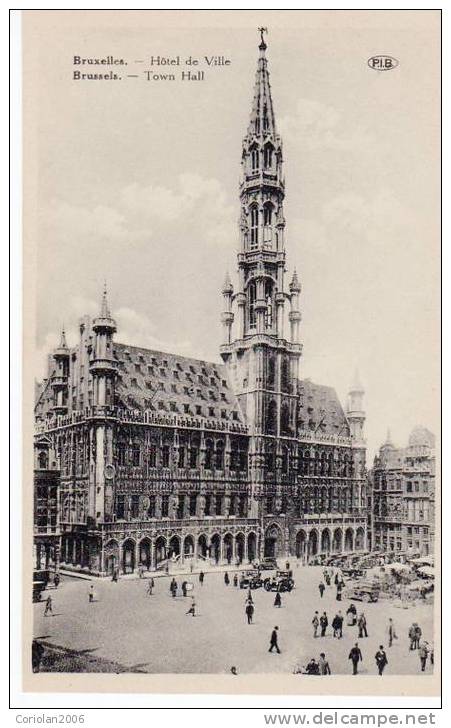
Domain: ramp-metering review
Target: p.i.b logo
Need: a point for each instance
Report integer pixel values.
(383, 63)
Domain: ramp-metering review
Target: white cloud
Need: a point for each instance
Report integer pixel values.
(315, 125)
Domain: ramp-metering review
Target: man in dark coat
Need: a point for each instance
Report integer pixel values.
(356, 656)
(249, 612)
(321, 588)
(273, 643)
(226, 579)
(201, 578)
(381, 659)
(363, 632)
(323, 623)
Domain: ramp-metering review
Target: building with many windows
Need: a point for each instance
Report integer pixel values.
(161, 456)
(403, 492)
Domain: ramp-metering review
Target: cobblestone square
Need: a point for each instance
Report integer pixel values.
(127, 630)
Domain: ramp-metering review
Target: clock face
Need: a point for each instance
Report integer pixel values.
(109, 472)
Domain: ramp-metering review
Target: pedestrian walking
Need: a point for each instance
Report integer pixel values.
(150, 586)
(324, 668)
(315, 623)
(115, 575)
(412, 636)
(339, 625)
(381, 659)
(273, 642)
(391, 632)
(418, 634)
(235, 580)
(192, 609)
(431, 654)
(48, 606)
(321, 588)
(91, 593)
(351, 615)
(336, 625)
(226, 579)
(423, 652)
(56, 580)
(201, 578)
(363, 632)
(356, 656)
(339, 590)
(278, 600)
(141, 571)
(184, 588)
(37, 653)
(323, 621)
(249, 612)
(173, 588)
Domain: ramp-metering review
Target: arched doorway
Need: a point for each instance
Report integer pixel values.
(349, 539)
(228, 547)
(239, 547)
(145, 553)
(202, 547)
(337, 541)
(325, 541)
(128, 556)
(251, 547)
(313, 543)
(273, 542)
(360, 539)
(111, 556)
(174, 547)
(160, 550)
(188, 546)
(216, 547)
(301, 544)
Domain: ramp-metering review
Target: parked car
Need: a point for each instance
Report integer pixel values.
(282, 582)
(266, 564)
(41, 575)
(362, 592)
(250, 580)
(353, 572)
(38, 588)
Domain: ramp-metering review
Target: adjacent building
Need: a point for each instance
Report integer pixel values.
(162, 457)
(403, 491)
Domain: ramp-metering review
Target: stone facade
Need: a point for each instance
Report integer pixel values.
(160, 456)
(403, 487)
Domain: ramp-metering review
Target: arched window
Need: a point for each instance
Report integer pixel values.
(255, 159)
(208, 454)
(269, 306)
(220, 455)
(267, 224)
(271, 418)
(252, 294)
(43, 460)
(267, 213)
(254, 226)
(268, 156)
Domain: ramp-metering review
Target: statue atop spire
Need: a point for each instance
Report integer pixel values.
(262, 45)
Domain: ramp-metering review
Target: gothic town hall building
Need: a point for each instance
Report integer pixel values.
(143, 456)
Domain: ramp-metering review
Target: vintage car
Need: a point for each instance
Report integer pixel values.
(38, 588)
(363, 592)
(41, 575)
(250, 580)
(266, 564)
(353, 572)
(281, 582)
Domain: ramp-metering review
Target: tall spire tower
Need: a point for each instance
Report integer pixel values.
(263, 364)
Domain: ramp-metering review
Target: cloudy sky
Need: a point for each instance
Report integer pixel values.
(137, 183)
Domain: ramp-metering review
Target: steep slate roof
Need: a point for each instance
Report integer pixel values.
(320, 410)
(168, 383)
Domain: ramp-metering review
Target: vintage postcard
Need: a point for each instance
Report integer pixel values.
(232, 351)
